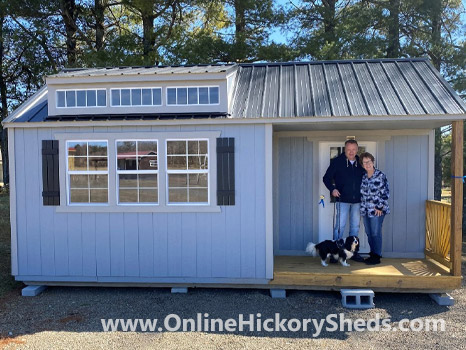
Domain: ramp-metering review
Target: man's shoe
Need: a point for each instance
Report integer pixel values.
(357, 257)
(374, 259)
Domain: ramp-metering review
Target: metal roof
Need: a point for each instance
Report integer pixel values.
(343, 88)
(150, 70)
(381, 87)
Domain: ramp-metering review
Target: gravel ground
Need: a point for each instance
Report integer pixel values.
(69, 318)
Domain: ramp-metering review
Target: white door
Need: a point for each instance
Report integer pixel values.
(327, 151)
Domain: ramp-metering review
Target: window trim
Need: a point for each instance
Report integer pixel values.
(187, 95)
(160, 136)
(131, 96)
(130, 172)
(84, 172)
(76, 90)
(188, 171)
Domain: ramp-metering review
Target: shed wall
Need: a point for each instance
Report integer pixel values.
(142, 246)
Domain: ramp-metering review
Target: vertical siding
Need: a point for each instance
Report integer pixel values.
(406, 166)
(294, 194)
(86, 246)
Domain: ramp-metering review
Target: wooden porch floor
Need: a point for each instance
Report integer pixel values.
(395, 275)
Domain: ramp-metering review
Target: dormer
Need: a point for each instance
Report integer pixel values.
(125, 91)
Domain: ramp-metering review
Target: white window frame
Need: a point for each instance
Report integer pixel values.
(187, 171)
(136, 172)
(131, 96)
(161, 137)
(84, 172)
(76, 99)
(187, 95)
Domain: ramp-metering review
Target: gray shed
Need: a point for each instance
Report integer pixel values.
(211, 174)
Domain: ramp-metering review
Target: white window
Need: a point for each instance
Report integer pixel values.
(136, 97)
(81, 98)
(187, 171)
(195, 95)
(87, 172)
(137, 171)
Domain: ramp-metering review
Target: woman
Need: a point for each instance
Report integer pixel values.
(374, 205)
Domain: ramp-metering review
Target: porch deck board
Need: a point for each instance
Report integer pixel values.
(391, 275)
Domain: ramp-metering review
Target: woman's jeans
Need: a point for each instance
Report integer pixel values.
(343, 211)
(374, 232)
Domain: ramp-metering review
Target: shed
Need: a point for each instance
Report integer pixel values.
(210, 175)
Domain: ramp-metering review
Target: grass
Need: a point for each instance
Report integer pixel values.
(7, 282)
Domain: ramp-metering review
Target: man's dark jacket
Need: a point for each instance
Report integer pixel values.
(345, 177)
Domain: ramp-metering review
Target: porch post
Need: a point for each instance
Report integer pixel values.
(456, 197)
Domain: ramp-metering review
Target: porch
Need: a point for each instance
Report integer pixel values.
(435, 273)
(392, 275)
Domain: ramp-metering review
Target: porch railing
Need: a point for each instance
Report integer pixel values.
(438, 232)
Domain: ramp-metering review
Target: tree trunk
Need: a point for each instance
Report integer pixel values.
(329, 20)
(99, 8)
(148, 40)
(393, 48)
(240, 53)
(4, 106)
(69, 15)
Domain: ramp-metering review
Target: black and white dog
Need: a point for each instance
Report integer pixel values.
(340, 250)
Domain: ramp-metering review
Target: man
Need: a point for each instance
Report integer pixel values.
(343, 179)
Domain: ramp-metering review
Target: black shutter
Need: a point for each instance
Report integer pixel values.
(226, 171)
(50, 180)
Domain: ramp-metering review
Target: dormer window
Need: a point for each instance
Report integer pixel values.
(81, 98)
(197, 95)
(136, 97)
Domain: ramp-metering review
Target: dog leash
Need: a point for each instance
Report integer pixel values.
(337, 199)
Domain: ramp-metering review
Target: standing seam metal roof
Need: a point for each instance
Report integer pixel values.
(343, 88)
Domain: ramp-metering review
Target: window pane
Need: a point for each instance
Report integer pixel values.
(176, 162)
(213, 95)
(125, 97)
(98, 181)
(176, 147)
(147, 163)
(177, 180)
(197, 162)
(81, 98)
(99, 196)
(79, 181)
(203, 96)
(148, 180)
(178, 195)
(182, 96)
(126, 148)
(146, 97)
(128, 180)
(101, 98)
(147, 147)
(126, 157)
(128, 196)
(197, 147)
(157, 97)
(77, 163)
(136, 97)
(198, 180)
(91, 98)
(79, 196)
(148, 195)
(192, 96)
(171, 96)
(60, 98)
(198, 195)
(126, 163)
(77, 148)
(71, 98)
(115, 97)
(97, 148)
(97, 163)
